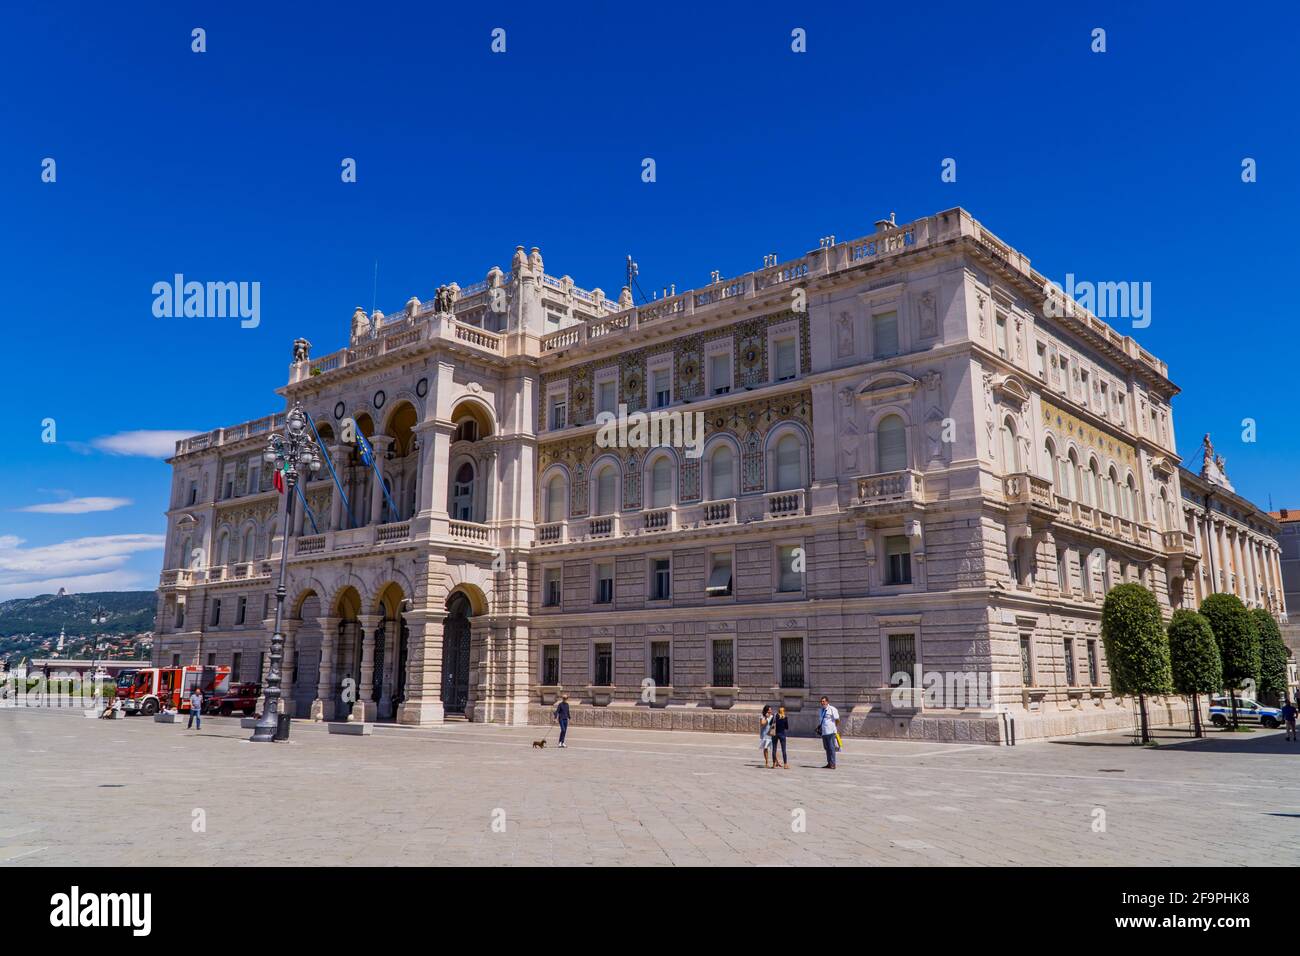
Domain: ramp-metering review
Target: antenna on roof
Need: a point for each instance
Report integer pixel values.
(374, 293)
(634, 270)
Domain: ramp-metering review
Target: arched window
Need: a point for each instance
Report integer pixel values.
(891, 444)
(1010, 455)
(1049, 463)
(466, 430)
(247, 551)
(555, 505)
(223, 548)
(462, 493)
(606, 490)
(187, 545)
(722, 482)
(789, 471)
(1116, 496)
(1134, 501)
(661, 482)
(1069, 475)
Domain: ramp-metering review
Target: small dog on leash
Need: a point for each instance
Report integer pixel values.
(539, 744)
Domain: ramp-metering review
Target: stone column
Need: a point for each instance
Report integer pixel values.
(1256, 594)
(380, 444)
(435, 453)
(337, 520)
(482, 670)
(1225, 572)
(491, 489)
(324, 706)
(423, 703)
(290, 627)
(364, 708)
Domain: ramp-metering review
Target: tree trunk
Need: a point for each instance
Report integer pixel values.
(1197, 730)
(1142, 708)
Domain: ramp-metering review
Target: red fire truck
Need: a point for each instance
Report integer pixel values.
(151, 689)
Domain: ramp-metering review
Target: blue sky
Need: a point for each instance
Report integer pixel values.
(225, 166)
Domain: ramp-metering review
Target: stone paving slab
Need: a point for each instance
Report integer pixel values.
(123, 793)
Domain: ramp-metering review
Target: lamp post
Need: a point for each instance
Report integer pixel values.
(286, 453)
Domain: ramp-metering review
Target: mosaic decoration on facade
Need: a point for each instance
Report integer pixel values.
(1067, 425)
(749, 366)
(748, 422)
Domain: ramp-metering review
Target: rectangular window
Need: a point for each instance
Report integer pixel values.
(550, 587)
(1065, 375)
(724, 664)
(216, 613)
(661, 387)
(902, 659)
(661, 584)
(785, 359)
(559, 412)
(1085, 575)
(898, 560)
(1083, 387)
(719, 583)
(1042, 361)
(550, 665)
(1026, 661)
(791, 662)
(604, 676)
(212, 660)
(1001, 336)
(194, 492)
(884, 330)
(266, 605)
(236, 664)
(605, 583)
(661, 664)
(241, 610)
(607, 396)
(719, 373)
(180, 616)
(228, 487)
(1069, 663)
(1104, 403)
(1092, 664)
(788, 558)
(254, 480)
(176, 660)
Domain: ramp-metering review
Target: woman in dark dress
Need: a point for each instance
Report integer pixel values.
(780, 727)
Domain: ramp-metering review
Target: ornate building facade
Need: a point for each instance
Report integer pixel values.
(917, 460)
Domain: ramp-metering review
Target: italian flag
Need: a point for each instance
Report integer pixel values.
(278, 479)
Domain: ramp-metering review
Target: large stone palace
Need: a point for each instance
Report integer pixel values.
(917, 459)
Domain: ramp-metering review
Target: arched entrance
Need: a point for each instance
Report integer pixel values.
(307, 647)
(455, 654)
(391, 648)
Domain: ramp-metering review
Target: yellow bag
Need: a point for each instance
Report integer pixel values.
(839, 744)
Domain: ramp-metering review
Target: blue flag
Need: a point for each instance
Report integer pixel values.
(367, 456)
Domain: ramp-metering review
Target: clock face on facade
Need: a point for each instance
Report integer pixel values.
(380, 398)
(338, 411)
(422, 387)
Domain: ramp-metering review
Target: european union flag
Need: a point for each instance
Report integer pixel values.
(367, 456)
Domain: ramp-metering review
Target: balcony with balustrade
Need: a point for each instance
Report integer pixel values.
(889, 492)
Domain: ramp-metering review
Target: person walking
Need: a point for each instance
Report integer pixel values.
(1288, 715)
(196, 709)
(780, 728)
(562, 717)
(765, 729)
(828, 725)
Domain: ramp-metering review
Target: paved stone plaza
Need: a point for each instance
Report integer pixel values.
(123, 793)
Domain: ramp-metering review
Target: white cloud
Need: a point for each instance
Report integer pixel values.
(158, 443)
(77, 506)
(79, 564)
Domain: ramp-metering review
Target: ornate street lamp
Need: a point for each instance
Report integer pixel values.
(286, 453)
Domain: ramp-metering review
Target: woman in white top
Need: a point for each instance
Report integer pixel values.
(765, 734)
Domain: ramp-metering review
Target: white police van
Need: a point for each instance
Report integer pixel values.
(1248, 712)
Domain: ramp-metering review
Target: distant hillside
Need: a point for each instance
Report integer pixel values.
(123, 612)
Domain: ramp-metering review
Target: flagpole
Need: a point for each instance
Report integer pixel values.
(343, 495)
(369, 453)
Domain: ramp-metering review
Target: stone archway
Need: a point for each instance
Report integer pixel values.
(456, 653)
(392, 652)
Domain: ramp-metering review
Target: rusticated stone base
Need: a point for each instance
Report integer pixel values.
(1108, 715)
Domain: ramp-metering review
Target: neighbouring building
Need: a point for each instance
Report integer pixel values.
(1288, 520)
(917, 459)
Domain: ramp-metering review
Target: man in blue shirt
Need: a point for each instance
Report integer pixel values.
(828, 725)
(562, 715)
(1288, 715)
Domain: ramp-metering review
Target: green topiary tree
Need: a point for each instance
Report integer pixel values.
(1273, 655)
(1194, 660)
(1234, 632)
(1137, 649)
